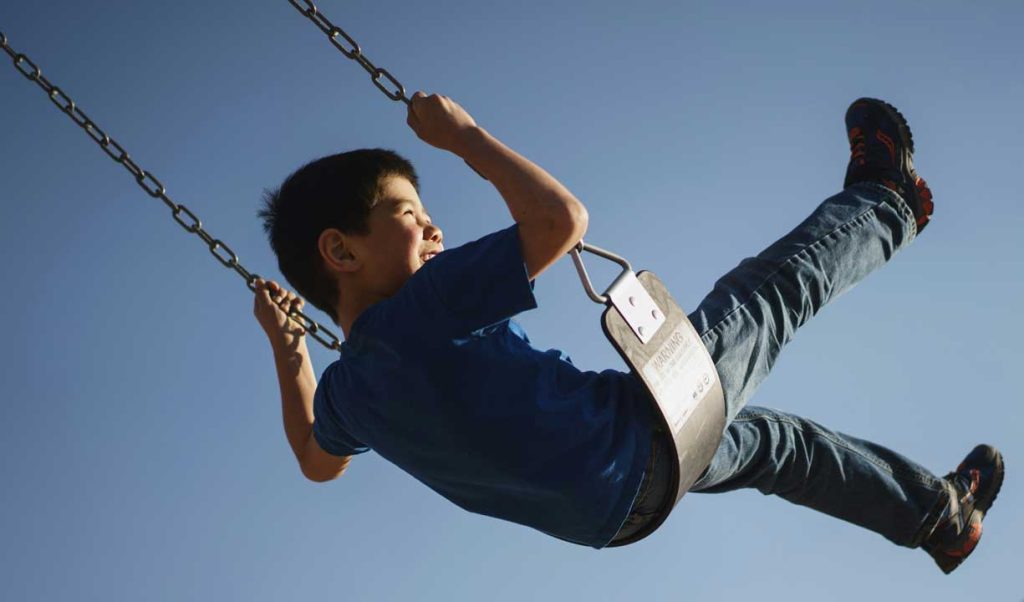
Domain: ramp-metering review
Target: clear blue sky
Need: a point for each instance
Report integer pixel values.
(141, 451)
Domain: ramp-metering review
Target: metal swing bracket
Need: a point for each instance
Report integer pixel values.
(625, 294)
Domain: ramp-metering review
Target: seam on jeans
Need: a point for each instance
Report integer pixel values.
(931, 516)
(849, 224)
(885, 466)
(901, 204)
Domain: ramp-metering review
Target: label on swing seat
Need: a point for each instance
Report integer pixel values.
(681, 371)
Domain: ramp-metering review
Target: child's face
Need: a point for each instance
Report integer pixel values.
(401, 239)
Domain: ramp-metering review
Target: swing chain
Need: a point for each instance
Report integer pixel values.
(154, 187)
(396, 92)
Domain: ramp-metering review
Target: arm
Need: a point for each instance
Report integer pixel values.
(551, 220)
(297, 381)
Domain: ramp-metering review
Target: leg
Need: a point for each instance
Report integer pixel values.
(756, 308)
(753, 311)
(848, 478)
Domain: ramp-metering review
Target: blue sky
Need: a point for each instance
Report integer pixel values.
(141, 450)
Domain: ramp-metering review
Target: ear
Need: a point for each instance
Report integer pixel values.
(336, 251)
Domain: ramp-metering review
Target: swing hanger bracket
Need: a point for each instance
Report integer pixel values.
(626, 294)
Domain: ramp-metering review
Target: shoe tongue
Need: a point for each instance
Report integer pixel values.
(962, 483)
(948, 518)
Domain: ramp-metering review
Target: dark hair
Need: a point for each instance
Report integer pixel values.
(337, 191)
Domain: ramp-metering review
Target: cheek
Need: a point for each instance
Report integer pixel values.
(412, 241)
(407, 252)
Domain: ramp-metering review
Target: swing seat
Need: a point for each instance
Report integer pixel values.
(663, 349)
(680, 376)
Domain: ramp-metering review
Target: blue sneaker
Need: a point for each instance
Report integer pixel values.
(972, 487)
(881, 151)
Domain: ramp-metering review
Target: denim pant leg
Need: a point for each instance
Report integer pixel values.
(805, 463)
(753, 311)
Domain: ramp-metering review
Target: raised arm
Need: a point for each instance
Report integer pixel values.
(551, 220)
(297, 381)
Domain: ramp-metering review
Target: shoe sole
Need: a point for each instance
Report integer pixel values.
(906, 136)
(984, 503)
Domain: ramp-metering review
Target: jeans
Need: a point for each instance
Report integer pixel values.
(751, 313)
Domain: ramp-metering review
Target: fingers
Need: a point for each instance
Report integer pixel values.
(420, 101)
(413, 101)
(437, 120)
(413, 119)
(270, 292)
(418, 97)
(266, 290)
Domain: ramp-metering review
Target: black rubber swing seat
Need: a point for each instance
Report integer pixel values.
(653, 335)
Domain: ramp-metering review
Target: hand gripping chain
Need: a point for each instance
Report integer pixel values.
(154, 188)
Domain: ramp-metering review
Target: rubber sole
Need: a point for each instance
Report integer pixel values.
(906, 136)
(984, 503)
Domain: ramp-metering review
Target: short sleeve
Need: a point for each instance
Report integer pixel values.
(482, 282)
(328, 430)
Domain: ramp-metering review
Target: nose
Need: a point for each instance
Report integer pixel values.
(433, 233)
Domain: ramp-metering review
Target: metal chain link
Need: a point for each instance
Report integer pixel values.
(352, 50)
(154, 188)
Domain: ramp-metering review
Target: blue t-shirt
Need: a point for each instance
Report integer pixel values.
(440, 381)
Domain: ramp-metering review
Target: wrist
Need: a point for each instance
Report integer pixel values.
(286, 344)
(469, 142)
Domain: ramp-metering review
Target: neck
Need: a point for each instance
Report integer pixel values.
(350, 306)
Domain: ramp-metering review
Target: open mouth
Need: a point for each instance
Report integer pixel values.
(427, 256)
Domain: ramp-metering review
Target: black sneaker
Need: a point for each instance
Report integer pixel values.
(972, 488)
(881, 151)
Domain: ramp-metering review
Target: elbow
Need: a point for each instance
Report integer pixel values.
(547, 238)
(576, 221)
(320, 472)
(319, 476)
(581, 220)
(312, 475)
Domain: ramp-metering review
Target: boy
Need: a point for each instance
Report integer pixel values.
(436, 378)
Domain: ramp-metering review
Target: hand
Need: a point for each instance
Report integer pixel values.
(438, 120)
(270, 299)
